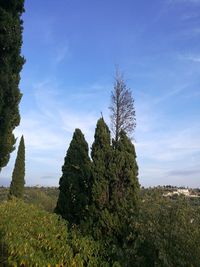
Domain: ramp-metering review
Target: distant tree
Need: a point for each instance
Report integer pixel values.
(122, 108)
(11, 63)
(74, 187)
(17, 184)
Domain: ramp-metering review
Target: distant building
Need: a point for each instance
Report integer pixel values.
(179, 192)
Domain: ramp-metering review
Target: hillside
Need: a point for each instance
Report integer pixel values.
(43, 197)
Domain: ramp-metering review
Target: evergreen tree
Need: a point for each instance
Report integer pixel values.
(114, 191)
(101, 222)
(74, 187)
(125, 183)
(101, 155)
(11, 63)
(125, 195)
(17, 184)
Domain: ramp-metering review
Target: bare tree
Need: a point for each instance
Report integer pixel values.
(122, 108)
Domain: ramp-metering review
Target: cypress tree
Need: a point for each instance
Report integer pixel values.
(114, 191)
(125, 185)
(17, 184)
(125, 197)
(101, 153)
(74, 186)
(11, 63)
(101, 222)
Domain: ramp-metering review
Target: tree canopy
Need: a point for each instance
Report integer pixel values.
(122, 108)
(74, 187)
(17, 183)
(11, 63)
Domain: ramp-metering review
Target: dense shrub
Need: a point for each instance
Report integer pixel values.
(165, 234)
(34, 237)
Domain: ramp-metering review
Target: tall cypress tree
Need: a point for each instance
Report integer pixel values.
(11, 63)
(125, 185)
(74, 187)
(100, 221)
(114, 191)
(125, 197)
(17, 184)
(101, 153)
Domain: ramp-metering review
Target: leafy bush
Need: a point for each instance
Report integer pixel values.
(165, 234)
(33, 237)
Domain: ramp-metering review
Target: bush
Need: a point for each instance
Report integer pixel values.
(33, 237)
(166, 233)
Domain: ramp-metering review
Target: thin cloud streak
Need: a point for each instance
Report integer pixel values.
(190, 57)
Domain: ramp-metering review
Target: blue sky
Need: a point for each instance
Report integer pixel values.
(71, 49)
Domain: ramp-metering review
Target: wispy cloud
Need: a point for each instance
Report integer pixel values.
(48, 129)
(161, 152)
(172, 146)
(62, 53)
(162, 155)
(191, 57)
(164, 147)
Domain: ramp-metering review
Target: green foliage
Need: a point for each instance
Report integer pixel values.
(33, 237)
(114, 192)
(11, 64)
(99, 215)
(3, 193)
(101, 155)
(17, 184)
(74, 187)
(165, 234)
(44, 198)
(124, 196)
(125, 185)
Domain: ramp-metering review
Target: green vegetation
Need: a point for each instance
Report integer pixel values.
(99, 217)
(32, 237)
(17, 184)
(44, 198)
(11, 64)
(165, 232)
(101, 158)
(103, 209)
(115, 190)
(75, 182)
